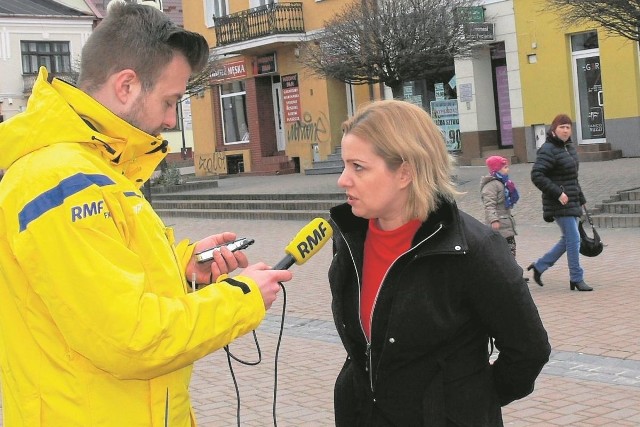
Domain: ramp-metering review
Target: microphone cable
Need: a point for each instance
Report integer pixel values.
(247, 363)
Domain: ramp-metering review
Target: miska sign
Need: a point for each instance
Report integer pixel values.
(229, 70)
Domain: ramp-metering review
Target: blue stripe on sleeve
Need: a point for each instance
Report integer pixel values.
(55, 197)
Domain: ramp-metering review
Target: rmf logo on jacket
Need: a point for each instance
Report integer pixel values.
(88, 209)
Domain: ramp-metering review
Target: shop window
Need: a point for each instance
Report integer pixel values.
(233, 100)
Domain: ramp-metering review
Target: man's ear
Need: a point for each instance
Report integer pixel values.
(126, 86)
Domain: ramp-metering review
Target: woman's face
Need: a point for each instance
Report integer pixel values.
(563, 132)
(373, 190)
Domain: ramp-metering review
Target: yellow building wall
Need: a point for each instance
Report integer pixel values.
(620, 77)
(547, 85)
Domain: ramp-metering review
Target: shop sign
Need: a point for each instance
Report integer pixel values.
(266, 64)
(481, 31)
(230, 70)
(291, 98)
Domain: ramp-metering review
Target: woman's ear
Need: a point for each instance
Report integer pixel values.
(405, 175)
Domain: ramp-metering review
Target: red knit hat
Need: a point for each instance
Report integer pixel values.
(495, 163)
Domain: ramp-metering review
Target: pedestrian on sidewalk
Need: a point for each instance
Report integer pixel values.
(97, 322)
(555, 173)
(420, 287)
(499, 195)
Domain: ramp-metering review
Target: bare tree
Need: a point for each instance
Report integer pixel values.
(389, 41)
(618, 17)
(201, 81)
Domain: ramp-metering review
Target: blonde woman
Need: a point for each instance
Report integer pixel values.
(419, 287)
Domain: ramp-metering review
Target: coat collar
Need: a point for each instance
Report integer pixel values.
(57, 112)
(449, 239)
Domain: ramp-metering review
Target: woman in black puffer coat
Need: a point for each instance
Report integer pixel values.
(418, 287)
(555, 173)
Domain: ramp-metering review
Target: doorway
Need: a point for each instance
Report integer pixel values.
(587, 85)
(278, 113)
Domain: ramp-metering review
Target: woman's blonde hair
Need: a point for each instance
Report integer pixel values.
(401, 132)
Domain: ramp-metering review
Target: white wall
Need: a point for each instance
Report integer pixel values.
(479, 114)
(12, 31)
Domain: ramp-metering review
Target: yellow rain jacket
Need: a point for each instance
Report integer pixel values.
(97, 327)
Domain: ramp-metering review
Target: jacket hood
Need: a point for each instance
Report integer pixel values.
(486, 179)
(57, 112)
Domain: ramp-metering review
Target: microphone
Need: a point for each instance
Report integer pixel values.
(309, 240)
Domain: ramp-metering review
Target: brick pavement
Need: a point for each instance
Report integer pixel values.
(593, 378)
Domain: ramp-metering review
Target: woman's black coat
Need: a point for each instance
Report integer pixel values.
(556, 171)
(428, 361)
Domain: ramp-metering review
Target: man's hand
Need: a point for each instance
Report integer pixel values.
(224, 261)
(267, 280)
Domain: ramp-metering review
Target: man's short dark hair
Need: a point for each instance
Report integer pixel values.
(141, 38)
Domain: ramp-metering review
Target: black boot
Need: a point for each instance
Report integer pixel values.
(581, 286)
(536, 274)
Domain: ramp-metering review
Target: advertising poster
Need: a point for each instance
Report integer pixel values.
(445, 115)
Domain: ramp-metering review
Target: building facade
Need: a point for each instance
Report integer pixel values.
(583, 71)
(35, 34)
(52, 34)
(266, 113)
(263, 113)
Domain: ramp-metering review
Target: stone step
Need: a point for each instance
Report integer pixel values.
(243, 205)
(586, 148)
(290, 215)
(631, 194)
(337, 197)
(187, 186)
(604, 220)
(329, 163)
(599, 156)
(324, 170)
(333, 164)
(620, 207)
(597, 152)
(622, 210)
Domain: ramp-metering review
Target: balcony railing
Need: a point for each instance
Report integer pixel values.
(275, 18)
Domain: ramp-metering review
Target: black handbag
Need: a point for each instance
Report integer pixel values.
(589, 246)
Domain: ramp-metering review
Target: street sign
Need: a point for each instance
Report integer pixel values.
(470, 14)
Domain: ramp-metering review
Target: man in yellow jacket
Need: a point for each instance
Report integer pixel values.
(97, 327)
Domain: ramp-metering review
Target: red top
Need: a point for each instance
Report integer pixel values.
(381, 249)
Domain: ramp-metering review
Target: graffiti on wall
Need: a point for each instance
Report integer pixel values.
(309, 129)
(211, 164)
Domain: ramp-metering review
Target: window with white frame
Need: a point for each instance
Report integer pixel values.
(233, 101)
(256, 3)
(215, 8)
